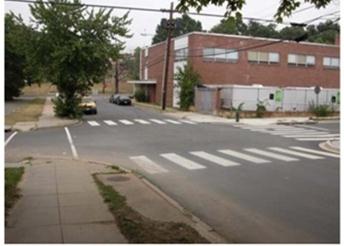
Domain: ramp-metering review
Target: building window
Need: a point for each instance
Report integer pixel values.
(220, 55)
(181, 54)
(331, 62)
(263, 57)
(301, 60)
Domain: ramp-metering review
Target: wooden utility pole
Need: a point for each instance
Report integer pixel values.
(169, 26)
(116, 77)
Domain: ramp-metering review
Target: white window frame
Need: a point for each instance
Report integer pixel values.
(220, 55)
(269, 54)
(310, 60)
(331, 63)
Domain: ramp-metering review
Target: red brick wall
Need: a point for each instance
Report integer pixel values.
(279, 74)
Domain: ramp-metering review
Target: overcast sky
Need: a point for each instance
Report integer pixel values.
(144, 23)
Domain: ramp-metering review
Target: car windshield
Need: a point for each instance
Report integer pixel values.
(125, 97)
(87, 100)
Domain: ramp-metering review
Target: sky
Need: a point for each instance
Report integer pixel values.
(144, 23)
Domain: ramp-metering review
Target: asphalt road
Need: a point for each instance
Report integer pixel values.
(290, 199)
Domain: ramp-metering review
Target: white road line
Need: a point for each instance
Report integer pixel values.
(315, 128)
(110, 123)
(93, 123)
(319, 152)
(10, 138)
(72, 147)
(310, 135)
(148, 165)
(316, 139)
(173, 121)
(144, 122)
(271, 155)
(293, 132)
(126, 122)
(213, 158)
(181, 161)
(158, 121)
(188, 122)
(243, 156)
(292, 152)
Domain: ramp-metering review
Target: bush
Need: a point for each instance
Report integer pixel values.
(320, 110)
(68, 108)
(261, 109)
(140, 96)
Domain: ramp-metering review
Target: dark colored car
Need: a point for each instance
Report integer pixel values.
(123, 100)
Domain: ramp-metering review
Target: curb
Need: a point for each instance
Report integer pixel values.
(328, 147)
(204, 229)
(309, 122)
(325, 118)
(35, 127)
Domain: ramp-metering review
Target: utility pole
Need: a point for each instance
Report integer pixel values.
(169, 26)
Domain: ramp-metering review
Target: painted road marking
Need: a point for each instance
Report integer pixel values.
(158, 121)
(213, 158)
(148, 165)
(292, 152)
(188, 122)
(126, 122)
(10, 138)
(316, 139)
(271, 155)
(93, 123)
(319, 152)
(144, 122)
(243, 156)
(110, 123)
(294, 132)
(310, 135)
(72, 147)
(181, 161)
(173, 121)
(315, 128)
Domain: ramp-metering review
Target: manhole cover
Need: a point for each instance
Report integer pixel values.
(118, 178)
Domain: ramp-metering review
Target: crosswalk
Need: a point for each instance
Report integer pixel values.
(300, 133)
(226, 158)
(125, 122)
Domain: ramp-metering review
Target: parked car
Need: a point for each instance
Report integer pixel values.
(123, 100)
(88, 105)
(113, 98)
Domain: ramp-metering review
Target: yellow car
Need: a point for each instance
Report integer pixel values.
(88, 105)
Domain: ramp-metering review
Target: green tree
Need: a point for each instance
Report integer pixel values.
(19, 40)
(292, 32)
(132, 65)
(187, 78)
(75, 48)
(258, 30)
(230, 26)
(324, 32)
(184, 25)
(285, 8)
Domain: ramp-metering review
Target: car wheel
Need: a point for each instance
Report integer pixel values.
(95, 111)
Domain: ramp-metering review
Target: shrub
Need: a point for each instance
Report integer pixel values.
(68, 108)
(320, 110)
(261, 109)
(140, 96)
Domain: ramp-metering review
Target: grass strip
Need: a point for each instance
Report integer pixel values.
(30, 111)
(140, 229)
(12, 178)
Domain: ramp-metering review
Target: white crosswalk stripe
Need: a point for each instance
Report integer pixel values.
(271, 155)
(173, 121)
(110, 123)
(317, 139)
(148, 165)
(319, 152)
(93, 123)
(188, 122)
(126, 122)
(293, 132)
(160, 122)
(310, 135)
(213, 158)
(243, 156)
(181, 161)
(144, 122)
(292, 152)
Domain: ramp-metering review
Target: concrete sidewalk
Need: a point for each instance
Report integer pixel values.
(331, 146)
(47, 119)
(61, 204)
(205, 118)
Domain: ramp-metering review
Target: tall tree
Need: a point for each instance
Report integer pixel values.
(258, 30)
(292, 32)
(285, 8)
(324, 32)
(230, 26)
(185, 24)
(75, 48)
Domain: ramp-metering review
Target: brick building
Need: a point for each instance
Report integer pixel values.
(229, 59)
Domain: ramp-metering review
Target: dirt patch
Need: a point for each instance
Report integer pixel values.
(36, 90)
(30, 111)
(140, 229)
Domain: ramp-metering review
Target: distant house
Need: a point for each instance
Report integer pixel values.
(223, 59)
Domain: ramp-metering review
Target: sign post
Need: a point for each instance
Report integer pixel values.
(317, 90)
